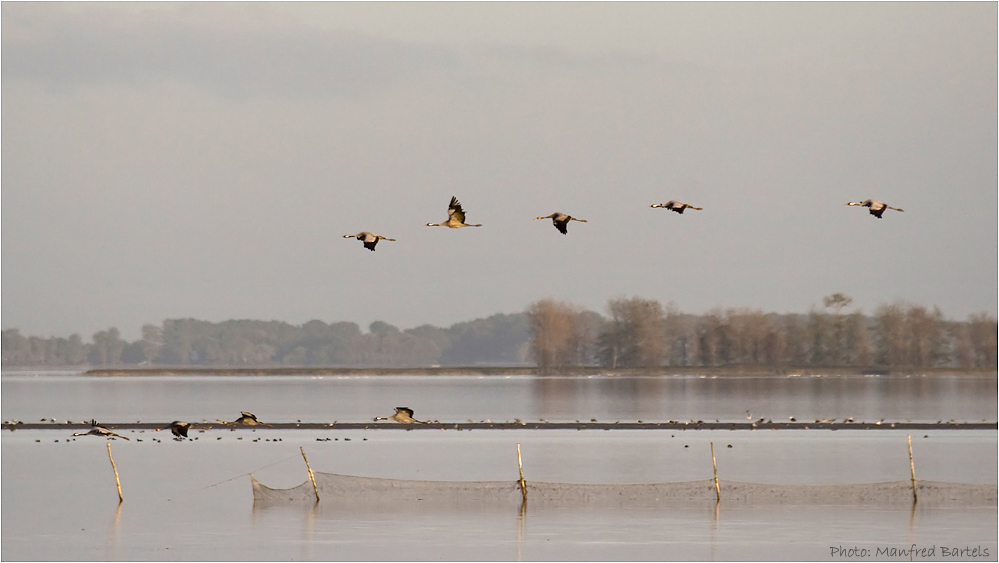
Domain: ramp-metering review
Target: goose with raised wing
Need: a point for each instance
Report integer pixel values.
(455, 216)
(676, 206)
(877, 208)
(561, 221)
(369, 239)
(403, 415)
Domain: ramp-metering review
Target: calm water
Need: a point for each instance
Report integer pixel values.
(192, 500)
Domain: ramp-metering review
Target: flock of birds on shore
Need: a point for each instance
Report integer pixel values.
(456, 218)
(179, 428)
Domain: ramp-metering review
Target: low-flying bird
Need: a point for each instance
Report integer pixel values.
(677, 206)
(99, 430)
(246, 418)
(877, 208)
(561, 221)
(369, 239)
(177, 428)
(402, 415)
(455, 216)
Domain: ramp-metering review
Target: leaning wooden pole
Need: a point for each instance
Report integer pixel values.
(912, 469)
(520, 465)
(311, 476)
(714, 464)
(116, 480)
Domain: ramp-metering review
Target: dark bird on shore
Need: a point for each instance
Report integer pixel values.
(561, 221)
(369, 239)
(402, 415)
(100, 431)
(455, 216)
(178, 428)
(877, 208)
(676, 206)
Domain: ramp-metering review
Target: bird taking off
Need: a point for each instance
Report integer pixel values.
(99, 430)
(402, 415)
(455, 216)
(561, 221)
(369, 239)
(677, 206)
(877, 208)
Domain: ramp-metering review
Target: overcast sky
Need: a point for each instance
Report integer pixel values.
(204, 160)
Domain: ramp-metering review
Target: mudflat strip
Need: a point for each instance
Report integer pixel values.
(669, 425)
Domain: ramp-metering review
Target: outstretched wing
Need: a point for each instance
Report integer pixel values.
(455, 211)
(248, 415)
(405, 410)
(561, 226)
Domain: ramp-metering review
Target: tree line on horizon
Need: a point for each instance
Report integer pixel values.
(553, 335)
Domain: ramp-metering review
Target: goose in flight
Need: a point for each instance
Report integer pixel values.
(99, 430)
(677, 206)
(561, 221)
(402, 415)
(245, 418)
(369, 239)
(455, 216)
(177, 428)
(877, 208)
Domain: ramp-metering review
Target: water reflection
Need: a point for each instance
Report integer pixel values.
(114, 529)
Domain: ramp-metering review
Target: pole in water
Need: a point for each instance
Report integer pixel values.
(520, 465)
(714, 464)
(311, 476)
(912, 468)
(116, 480)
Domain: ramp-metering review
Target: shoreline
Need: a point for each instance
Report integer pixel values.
(728, 371)
(604, 426)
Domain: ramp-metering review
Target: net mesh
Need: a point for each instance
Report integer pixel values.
(369, 491)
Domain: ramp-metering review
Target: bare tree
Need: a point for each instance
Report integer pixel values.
(983, 332)
(555, 342)
(633, 336)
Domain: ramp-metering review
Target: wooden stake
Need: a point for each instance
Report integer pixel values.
(714, 464)
(311, 476)
(520, 465)
(116, 480)
(912, 468)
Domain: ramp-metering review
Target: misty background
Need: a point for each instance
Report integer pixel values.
(168, 161)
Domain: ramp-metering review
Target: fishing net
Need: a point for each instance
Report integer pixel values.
(372, 492)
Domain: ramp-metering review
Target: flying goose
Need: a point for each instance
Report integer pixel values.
(877, 208)
(99, 430)
(369, 239)
(456, 216)
(561, 221)
(402, 415)
(245, 418)
(677, 206)
(178, 428)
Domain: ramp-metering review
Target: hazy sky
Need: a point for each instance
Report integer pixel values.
(204, 160)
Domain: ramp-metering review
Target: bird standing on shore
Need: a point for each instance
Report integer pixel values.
(676, 206)
(455, 216)
(561, 221)
(403, 415)
(369, 239)
(877, 208)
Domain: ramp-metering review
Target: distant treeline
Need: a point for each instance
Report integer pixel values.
(556, 337)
